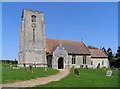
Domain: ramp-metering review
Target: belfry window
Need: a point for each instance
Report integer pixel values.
(33, 18)
(73, 59)
(84, 59)
(33, 34)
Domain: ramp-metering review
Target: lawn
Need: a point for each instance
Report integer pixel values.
(87, 78)
(9, 75)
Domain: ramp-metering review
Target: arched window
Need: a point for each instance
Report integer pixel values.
(73, 59)
(84, 59)
(33, 18)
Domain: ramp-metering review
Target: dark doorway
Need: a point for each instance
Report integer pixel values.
(60, 63)
(49, 61)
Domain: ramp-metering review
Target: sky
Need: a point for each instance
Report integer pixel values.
(94, 22)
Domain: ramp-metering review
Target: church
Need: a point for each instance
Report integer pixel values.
(36, 49)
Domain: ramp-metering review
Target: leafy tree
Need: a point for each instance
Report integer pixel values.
(118, 52)
(113, 59)
(110, 55)
(104, 50)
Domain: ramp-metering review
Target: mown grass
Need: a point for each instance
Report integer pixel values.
(87, 78)
(9, 75)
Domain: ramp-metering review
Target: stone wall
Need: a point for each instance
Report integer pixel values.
(59, 52)
(79, 59)
(100, 60)
(32, 51)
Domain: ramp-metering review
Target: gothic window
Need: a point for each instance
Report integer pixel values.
(33, 18)
(73, 59)
(84, 59)
(33, 34)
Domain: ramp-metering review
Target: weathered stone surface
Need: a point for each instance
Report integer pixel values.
(32, 39)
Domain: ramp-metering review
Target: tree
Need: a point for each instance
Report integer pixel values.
(104, 50)
(110, 55)
(118, 53)
(116, 63)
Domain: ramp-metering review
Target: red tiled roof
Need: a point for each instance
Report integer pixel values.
(71, 47)
(97, 53)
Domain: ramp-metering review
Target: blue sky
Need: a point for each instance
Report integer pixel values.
(95, 23)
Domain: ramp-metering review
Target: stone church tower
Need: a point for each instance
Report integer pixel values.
(32, 39)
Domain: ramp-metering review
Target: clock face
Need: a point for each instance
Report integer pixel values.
(33, 25)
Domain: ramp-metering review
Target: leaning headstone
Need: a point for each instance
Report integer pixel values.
(109, 73)
(76, 72)
(98, 66)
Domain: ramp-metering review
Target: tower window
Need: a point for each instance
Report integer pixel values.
(33, 18)
(84, 59)
(73, 59)
(33, 34)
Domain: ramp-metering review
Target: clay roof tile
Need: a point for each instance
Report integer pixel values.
(71, 47)
(97, 53)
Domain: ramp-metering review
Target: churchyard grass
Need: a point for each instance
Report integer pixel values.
(12, 75)
(87, 78)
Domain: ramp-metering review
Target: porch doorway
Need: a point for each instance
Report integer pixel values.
(60, 63)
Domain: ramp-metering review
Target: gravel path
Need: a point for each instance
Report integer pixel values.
(39, 81)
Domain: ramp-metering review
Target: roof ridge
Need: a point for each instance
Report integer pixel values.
(64, 40)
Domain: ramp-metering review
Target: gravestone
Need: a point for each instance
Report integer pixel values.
(76, 72)
(109, 73)
(86, 67)
(98, 66)
(31, 68)
(24, 66)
